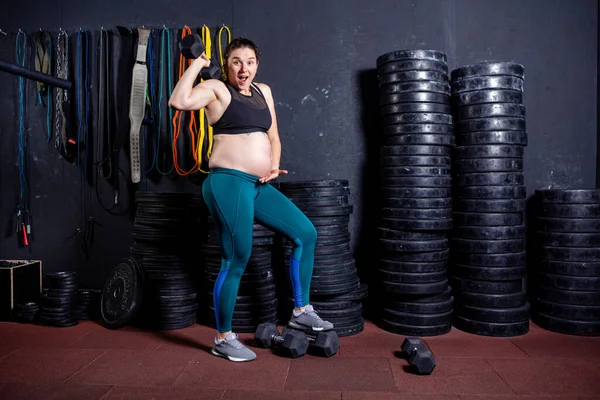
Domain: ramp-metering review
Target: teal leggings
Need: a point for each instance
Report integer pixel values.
(235, 199)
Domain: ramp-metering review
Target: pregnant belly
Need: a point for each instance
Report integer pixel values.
(250, 153)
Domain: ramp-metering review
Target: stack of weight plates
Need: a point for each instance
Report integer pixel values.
(416, 214)
(335, 289)
(257, 301)
(26, 312)
(166, 231)
(488, 255)
(567, 279)
(86, 304)
(55, 304)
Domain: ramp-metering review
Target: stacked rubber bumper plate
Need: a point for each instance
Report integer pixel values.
(256, 301)
(160, 277)
(335, 290)
(488, 255)
(567, 279)
(57, 299)
(416, 203)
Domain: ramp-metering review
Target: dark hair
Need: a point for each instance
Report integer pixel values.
(239, 43)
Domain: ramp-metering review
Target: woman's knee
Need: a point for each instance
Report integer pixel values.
(307, 234)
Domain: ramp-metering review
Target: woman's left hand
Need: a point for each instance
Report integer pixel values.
(272, 175)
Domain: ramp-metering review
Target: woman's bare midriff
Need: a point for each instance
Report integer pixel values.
(247, 152)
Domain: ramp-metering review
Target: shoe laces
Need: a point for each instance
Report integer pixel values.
(311, 312)
(235, 342)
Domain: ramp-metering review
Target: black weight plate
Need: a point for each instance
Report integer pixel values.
(487, 219)
(417, 319)
(420, 298)
(351, 310)
(487, 300)
(389, 202)
(408, 76)
(431, 161)
(327, 211)
(122, 294)
(490, 192)
(415, 224)
(314, 184)
(412, 267)
(413, 245)
(414, 288)
(488, 165)
(489, 274)
(491, 124)
(416, 86)
(486, 96)
(405, 277)
(570, 253)
(494, 315)
(569, 239)
(310, 192)
(569, 296)
(489, 232)
(489, 179)
(320, 201)
(331, 230)
(566, 311)
(414, 151)
(571, 210)
(424, 128)
(416, 182)
(411, 54)
(355, 295)
(329, 221)
(489, 68)
(413, 330)
(416, 192)
(414, 171)
(495, 137)
(488, 151)
(491, 110)
(417, 118)
(476, 83)
(412, 97)
(351, 330)
(591, 225)
(420, 308)
(412, 65)
(418, 139)
(490, 328)
(566, 326)
(433, 256)
(489, 206)
(421, 214)
(570, 268)
(415, 108)
(490, 260)
(575, 283)
(487, 287)
(569, 196)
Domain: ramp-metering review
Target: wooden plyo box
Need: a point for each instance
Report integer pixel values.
(20, 282)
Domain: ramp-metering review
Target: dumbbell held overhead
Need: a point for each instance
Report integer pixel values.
(191, 47)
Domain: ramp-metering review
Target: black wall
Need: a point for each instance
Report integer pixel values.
(319, 58)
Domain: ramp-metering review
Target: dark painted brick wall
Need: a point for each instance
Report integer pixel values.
(319, 58)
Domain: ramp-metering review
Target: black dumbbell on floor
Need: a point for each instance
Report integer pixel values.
(191, 47)
(325, 343)
(419, 356)
(293, 343)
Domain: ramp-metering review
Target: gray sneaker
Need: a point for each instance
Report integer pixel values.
(232, 349)
(309, 320)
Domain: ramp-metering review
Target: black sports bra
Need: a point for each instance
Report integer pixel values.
(245, 113)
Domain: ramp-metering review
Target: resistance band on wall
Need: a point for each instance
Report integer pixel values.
(208, 46)
(23, 217)
(179, 117)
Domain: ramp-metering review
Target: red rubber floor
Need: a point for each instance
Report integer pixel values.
(90, 362)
